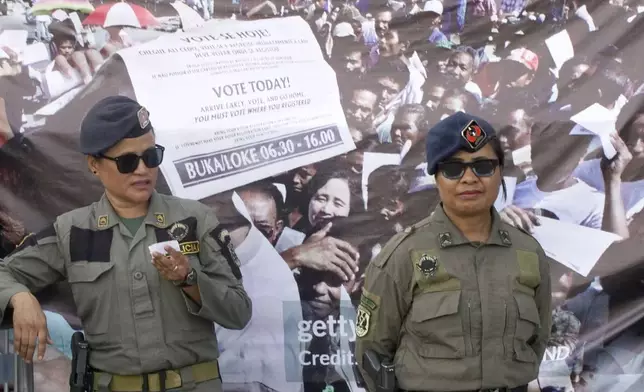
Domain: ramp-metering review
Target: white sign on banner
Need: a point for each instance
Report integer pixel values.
(236, 102)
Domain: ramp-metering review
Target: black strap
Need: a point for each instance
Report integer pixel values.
(146, 383)
(162, 376)
(222, 237)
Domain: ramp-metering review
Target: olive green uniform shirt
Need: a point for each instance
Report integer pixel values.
(134, 320)
(456, 315)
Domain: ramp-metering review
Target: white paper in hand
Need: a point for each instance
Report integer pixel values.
(599, 121)
(159, 247)
(577, 247)
(560, 47)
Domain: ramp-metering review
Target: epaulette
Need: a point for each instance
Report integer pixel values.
(422, 223)
(524, 231)
(395, 241)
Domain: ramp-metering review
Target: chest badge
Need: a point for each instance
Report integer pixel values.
(427, 265)
(178, 231)
(445, 239)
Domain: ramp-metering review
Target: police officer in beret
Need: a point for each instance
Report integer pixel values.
(148, 315)
(460, 301)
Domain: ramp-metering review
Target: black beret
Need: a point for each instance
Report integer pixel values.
(111, 120)
(460, 131)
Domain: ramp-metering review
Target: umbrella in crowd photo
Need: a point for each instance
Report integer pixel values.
(121, 14)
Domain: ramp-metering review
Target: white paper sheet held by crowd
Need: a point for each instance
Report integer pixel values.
(577, 247)
(597, 121)
(560, 47)
(238, 101)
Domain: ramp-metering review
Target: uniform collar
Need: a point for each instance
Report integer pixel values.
(105, 217)
(449, 235)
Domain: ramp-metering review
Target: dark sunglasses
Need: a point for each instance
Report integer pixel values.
(127, 163)
(454, 170)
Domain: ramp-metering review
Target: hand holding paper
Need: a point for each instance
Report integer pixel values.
(613, 168)
(172, 265)
(599, 121)
(159, 247)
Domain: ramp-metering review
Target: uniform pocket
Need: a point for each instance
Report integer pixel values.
(436, 321)
(527, 327)
(92, 287)
(83, 271)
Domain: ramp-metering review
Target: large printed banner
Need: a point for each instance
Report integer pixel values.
(285, 124)
(248, 111)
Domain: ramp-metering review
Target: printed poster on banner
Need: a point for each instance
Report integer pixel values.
(231, 103)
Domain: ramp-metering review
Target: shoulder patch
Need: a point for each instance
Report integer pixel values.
(367, 309)
(369, 300)
(363, 321)
(222, 237)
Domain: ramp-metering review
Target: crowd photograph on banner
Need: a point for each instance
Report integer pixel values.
(302, 124)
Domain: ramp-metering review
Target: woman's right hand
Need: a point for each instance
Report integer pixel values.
(29, 327)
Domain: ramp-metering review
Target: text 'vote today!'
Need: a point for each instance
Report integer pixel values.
(254, 86)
